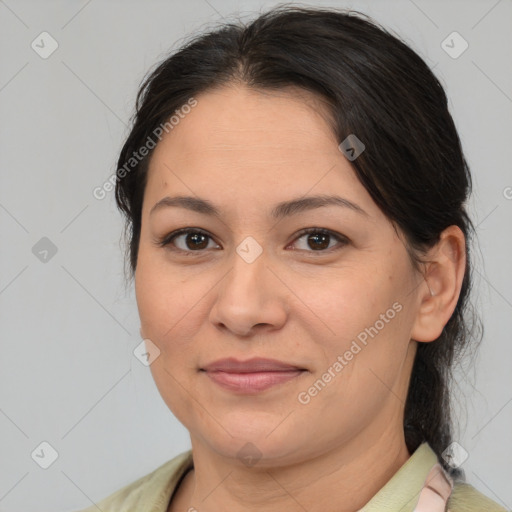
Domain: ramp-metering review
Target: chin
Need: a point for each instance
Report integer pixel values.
(254, 445)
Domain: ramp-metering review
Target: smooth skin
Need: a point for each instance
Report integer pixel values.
(302, 301)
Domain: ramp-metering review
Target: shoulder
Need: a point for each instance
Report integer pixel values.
(465, 498)
(149, 492)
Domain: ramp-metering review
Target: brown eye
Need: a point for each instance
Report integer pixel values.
(186, 240)
(319, 240)
(195, 241)
(189, 241)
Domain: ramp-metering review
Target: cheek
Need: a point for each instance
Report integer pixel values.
(156, 293)
(169, 304)
(364, 317)
(346, 303)
(152, 299)
(364, 348)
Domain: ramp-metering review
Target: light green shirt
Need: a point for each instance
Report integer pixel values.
(152, 492)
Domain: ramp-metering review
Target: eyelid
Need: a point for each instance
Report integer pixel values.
(166, 240)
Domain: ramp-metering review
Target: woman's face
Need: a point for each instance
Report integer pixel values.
(340, 306)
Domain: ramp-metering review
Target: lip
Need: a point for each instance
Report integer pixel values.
(251, 376)
(251, 383)
(254, 365)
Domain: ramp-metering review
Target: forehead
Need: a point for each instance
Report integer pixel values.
(265, 144)
(236, 119)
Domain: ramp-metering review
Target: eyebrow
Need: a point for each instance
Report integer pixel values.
(281, 210)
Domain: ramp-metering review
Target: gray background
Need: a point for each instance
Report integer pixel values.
(69, 326)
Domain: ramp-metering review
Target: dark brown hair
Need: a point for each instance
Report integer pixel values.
(377, 88)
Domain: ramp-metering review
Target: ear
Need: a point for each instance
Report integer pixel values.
(440, 290)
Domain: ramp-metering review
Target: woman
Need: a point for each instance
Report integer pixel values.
(295, 199)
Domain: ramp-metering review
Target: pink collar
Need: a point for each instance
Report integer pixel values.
(435, 491)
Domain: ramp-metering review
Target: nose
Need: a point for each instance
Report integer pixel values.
(250, 298)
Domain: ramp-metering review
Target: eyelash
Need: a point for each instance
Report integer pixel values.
(167, 240)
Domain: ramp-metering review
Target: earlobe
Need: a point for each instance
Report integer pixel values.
(439, 293)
